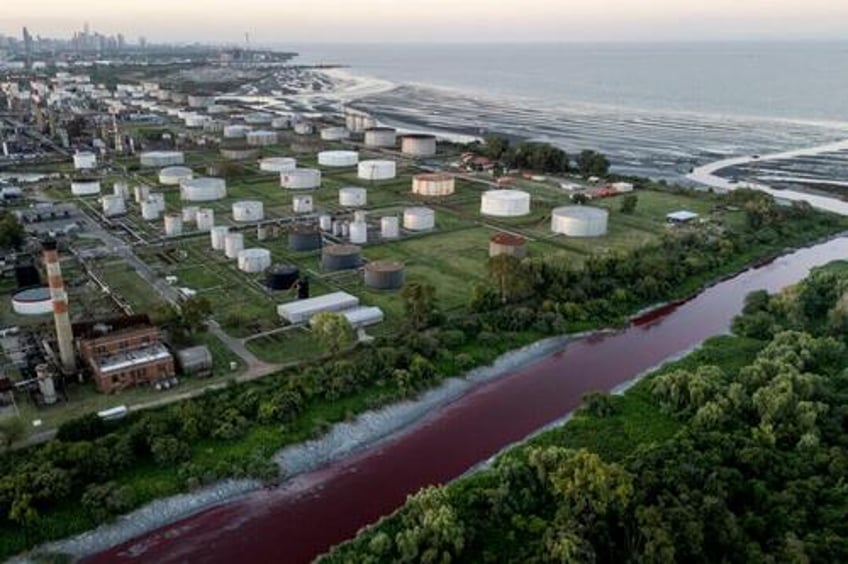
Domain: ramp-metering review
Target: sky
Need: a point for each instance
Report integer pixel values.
(341, 21)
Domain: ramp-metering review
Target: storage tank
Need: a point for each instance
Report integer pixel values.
(195, 361)
(377, 170)
(233, 244)
(360, 216)
(390, 227)
(205, 219)
(508, 244)
(217, 109)
(258, 118)
(505, 203)
(199, 101)
(282, 277)
(85, 187)
(340, 257)
(326, 222)
(385, 275)
(113, 205)
(218, 235)
(190, 214)
(305, 238)
(352, 197)
(248, 210)
(281, 122)
(140, 193)
(203, 189)
(173, 224)
(214, 126)
(150, 210)
(173, 175)
(195, 121)
(419, 219)
(302, 203)
(32, 301)
(261, 138)
(254, 260)
(121, 189)
(301, 179)
(277, 164)
(334, 133)
(303, 128)
(239, 153)
(261, 232)
(418, 145)
(85, 160)
(380, 137)
(358, 232)
(579, 221)
(235, 131)
(161, 159)
(338, 158)
(159, 199)
(433, 185)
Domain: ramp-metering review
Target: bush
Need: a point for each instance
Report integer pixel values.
(85, 428)
(107, 500)
(169, 450)
(452, 338)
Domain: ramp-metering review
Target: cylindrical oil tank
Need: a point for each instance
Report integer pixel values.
(32, 301)
(214, 126)
(340, 257)
(254, 260)
(352, 197)
(140, 193)
(419, 219)
(505, 203)
(150, 210)
(305, 238)
(85, 160)
(248, 210)
(303, 128)
(85, 187)
(173, 224)
(194, 121)
(195, 360)
(235, 131)
(199, 101)
(218, 235)
(326, 222)
(239, 153)
(358, 232)
(204, 189)
(205, 219)
(508, 244)
(377, 170)
(302, 203)
(261, 232)
(418, 145)
(385, 275)
(380, 137)
(301, 179)
(334, 133)
(282, 277)
(261, 138)
(258, 118)
(217, 109)
(277, 164)
(190, 214)
(113, 205)
(390, 227)
(159, 199)
(338, 158)
(281, 122)
(173, 175)
(579, 221)
(233, 244)
(121, 189)
(433, 185)
(161, 158)
(360, 216)
(345, 229)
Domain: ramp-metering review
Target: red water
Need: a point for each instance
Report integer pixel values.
(305, 517)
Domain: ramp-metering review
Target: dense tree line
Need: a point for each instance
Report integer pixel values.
(544, 157)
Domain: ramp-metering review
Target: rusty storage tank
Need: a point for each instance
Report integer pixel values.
(385, 274)
(282, 277)
(195, 361)
(341, 257)
(508, 244)
(305, 238)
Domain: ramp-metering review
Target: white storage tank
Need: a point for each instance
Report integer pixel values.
(140, 193)
(218, 235)
(380, 137)
(203, 189)
(190, 214)
(173, 224)
(358, 232)
(173, 175)
(205, 219)
(150, 210)
(579, 221)
(258, 118)
(281, 122)
(261, 138)
(338, 158)
(302, 203)
(418, 145)
(377, 170)
(352, 197)
(325, 222)
(113, 205)
(161, 158)
(301, 179)
(235, 131)
(121, 189)
(254, 260)
(214, 126)
(157, 198)
(199, 101)
(390, 227)
(433, 185)
(195, 121)
(233, 244)
(278, 164)
(334, 133)
(419, 219)
(85, 187)
(505, 203)
(303, 128)
(248, 210)
(85, 160)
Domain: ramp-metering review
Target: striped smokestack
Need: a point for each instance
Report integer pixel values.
(64, 333)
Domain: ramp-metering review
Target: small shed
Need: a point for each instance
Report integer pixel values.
(681, 217)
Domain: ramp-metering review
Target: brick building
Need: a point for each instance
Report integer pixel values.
(123, 353)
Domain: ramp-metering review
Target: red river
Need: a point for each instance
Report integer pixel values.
(306, 516)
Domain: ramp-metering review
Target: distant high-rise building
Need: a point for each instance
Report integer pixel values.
(142, 42)
(27, 48)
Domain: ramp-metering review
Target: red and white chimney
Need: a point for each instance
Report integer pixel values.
(64, 333)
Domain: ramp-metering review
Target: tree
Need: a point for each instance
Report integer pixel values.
(592, 163)
(11, 429)
(195, 311)
(11, 231)
(332, 329)
(419, 302)
(580, 198)
(497, 146)
(508, 275)
(628, 203)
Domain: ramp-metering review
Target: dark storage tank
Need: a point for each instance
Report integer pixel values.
(282, 277)
(341, 257)
(305, 239)
(385, 275)
(508, 244)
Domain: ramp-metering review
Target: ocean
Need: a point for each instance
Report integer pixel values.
(656, 109)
